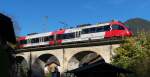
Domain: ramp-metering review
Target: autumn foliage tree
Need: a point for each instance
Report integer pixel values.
(134, 55)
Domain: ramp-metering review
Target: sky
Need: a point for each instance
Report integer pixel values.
(37, 16)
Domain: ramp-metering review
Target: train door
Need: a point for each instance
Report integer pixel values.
(23, 43)
(52, 39)
(58, 35)
(77, 36)
(28, 44)
(41, 41)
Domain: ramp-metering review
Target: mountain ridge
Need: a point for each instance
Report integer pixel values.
(138, 24)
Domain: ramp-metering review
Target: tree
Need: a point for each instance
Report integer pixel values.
(134, 54)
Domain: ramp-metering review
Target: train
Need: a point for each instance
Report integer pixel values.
(82, 33)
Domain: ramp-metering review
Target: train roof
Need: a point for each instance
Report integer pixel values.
(101, 24)
(35, 35)
(40, 35)
(61, 31)
(96, 25)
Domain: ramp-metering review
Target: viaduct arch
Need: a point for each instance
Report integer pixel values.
(68, 58)
(22, 67)
(81, 58)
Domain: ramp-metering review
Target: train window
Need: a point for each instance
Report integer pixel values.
(92, 30)
(71, 35)
(117, 27)
(51, 37)
(107, 28)
(96, 29)
(46, 38)
(59, 36)
(35, 40)
(121, 28)
(68, 35)
(100, 29)
(85, 31)
(65, 36)
(23, 41)
(103, 28)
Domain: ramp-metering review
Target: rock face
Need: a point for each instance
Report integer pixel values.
(7, 35)
(4, 63)
(6, 29)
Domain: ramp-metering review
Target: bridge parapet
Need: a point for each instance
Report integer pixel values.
(87, 44)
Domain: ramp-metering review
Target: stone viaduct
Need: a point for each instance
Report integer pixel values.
(68, 57)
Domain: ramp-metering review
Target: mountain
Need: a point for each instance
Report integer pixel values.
(138, 24)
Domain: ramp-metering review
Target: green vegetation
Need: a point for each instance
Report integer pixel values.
(134, 55)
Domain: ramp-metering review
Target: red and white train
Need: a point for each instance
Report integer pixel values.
(75, 35)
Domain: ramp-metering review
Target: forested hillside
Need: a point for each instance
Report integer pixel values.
(138, 24)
